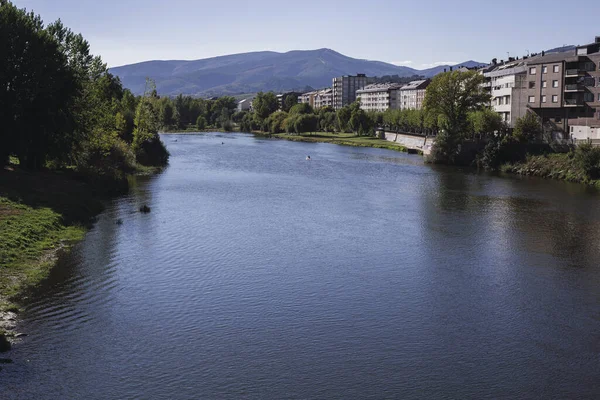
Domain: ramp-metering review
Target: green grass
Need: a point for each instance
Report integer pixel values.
(40, 213)
(346, 139)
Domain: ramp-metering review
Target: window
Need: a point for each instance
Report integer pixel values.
(544, 70)
(588, 97)
(543, 99)
(531, 99)
(532, 71)
(555, 68)
(555, 99)
(554, 83)
(531, 84)
(544, 84)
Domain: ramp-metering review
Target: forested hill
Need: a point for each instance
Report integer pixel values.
(253, 72)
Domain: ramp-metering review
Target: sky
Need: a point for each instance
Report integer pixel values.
(419, 34)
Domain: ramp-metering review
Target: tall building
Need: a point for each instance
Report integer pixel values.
(411, 96)
(379, 96)
(345, 87)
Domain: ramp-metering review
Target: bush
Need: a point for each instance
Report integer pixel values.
(276, 121)
(152, 153)
(587, 157)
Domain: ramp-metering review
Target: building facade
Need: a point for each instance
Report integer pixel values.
(323, 98)
(345, 87)
(379, 97)
(308, 98)
(563, 90)
(504, 82)
(244, 105)
(411, 96)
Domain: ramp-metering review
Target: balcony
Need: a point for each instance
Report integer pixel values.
(574, 72)
(574, 103)
(574, 88)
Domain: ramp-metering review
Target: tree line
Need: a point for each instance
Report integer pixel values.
(60, 107)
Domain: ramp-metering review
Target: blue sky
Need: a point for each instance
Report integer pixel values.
(418, 34)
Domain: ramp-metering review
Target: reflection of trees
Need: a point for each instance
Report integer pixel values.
(505, 215)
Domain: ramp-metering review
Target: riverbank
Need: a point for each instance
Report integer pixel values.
(42, 214)
(560, 166)
(345, 139)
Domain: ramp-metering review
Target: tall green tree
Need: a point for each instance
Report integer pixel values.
(450, 97)
(265, 104)
(290, 101)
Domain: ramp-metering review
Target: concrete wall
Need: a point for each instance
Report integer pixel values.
(413, 142)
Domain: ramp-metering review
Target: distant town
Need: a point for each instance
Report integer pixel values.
(562, 88)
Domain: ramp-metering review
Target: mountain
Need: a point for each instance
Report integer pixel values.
(257, 71)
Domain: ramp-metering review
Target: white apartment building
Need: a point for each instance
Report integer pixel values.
(323, 98)
(411, 96)
(505, 81)
(244, 105)
(379, 96)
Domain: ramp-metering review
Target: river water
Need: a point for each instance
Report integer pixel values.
(361, 273)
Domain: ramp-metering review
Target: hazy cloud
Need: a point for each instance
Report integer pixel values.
(408, 62)
(438, 63)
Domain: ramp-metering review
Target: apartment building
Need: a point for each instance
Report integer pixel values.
(244, 105)
(345, 87)
(411, 96)
(504, 82)
(563, 89)
(379, 97)
(308, 98)
(323, 98)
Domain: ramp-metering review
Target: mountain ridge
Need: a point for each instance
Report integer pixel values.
(257, 71)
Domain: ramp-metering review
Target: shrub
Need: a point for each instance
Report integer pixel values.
(587, 157)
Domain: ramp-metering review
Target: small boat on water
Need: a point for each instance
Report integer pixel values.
(307, 158)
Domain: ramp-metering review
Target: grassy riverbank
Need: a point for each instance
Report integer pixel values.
(552, 166)
(41, 215)
(346, 139)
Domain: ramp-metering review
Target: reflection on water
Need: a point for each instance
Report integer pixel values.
(360, 274)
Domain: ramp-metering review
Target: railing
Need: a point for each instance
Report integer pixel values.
(571, 72)
(574, 86)
(573, 102)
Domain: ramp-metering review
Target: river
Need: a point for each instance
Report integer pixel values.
(362, 273)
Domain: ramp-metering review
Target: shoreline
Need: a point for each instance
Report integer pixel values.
(43, 215)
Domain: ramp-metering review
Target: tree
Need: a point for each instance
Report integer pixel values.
(265, 104)
(276, 121)
(147, 145)
(290, 101)
(527, 128)
(450, 97)
(302, 108)
(38, 92)
(360, 123)
(484, 122)
(201, 123)
(305, 123)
